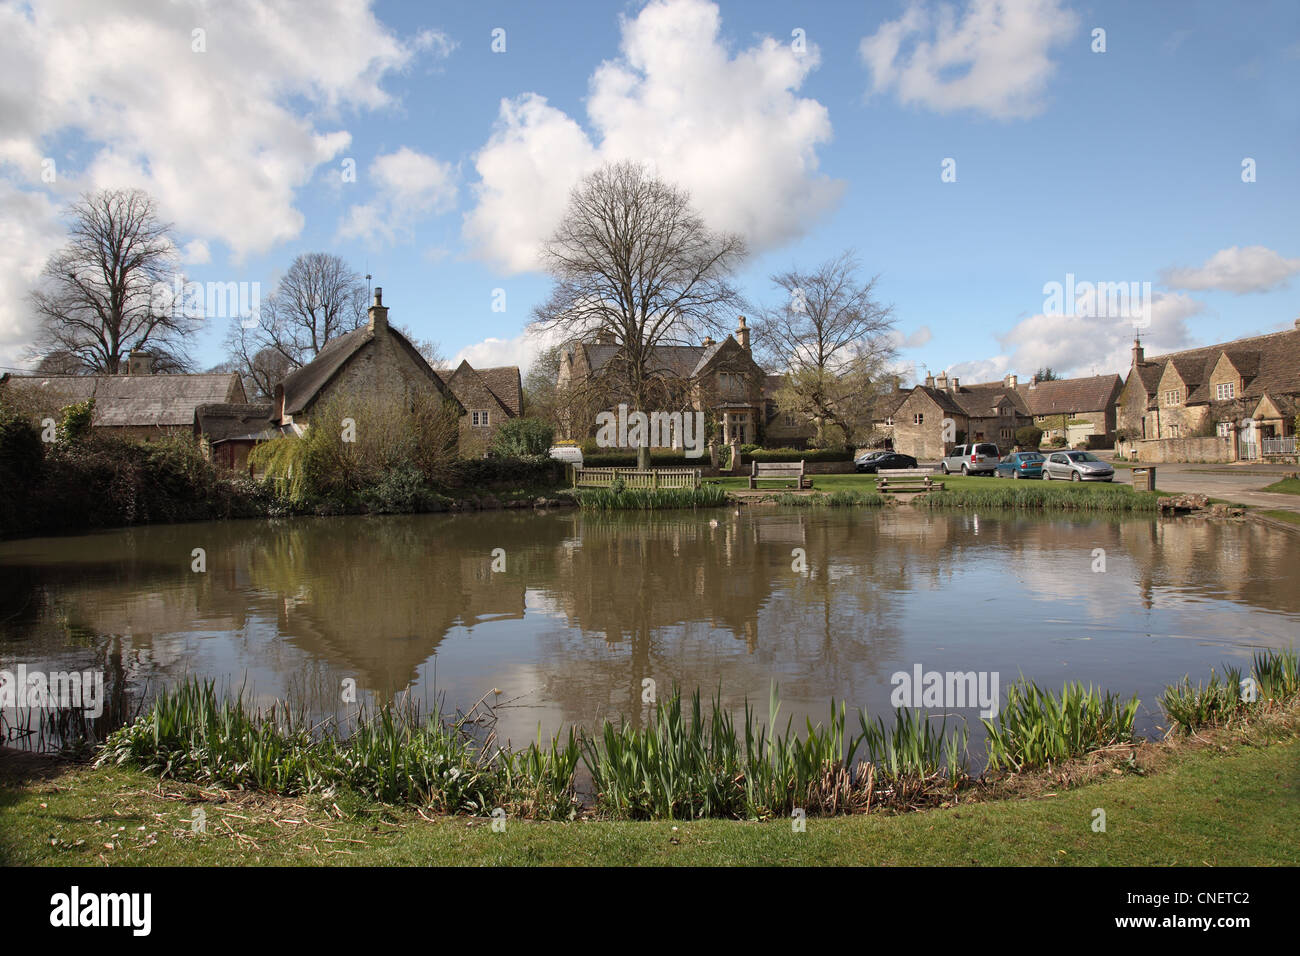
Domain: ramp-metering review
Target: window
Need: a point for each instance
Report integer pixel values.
(1005, 433)
(889, 420)
(918, 418)
(1224, 429)
(1226, 390)
(791, 420)
(479, 418)
(1171, 397)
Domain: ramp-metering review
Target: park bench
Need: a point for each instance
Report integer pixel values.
(906, 479)
(784, 470)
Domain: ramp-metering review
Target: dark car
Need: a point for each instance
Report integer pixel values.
(1020, 464)
(874, 461)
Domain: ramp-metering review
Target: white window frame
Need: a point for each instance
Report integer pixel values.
(1171, 396)
(918, 418)
(1225, 390)
(481, 419)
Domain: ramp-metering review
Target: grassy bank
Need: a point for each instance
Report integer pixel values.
(1287, 486)
(1226, 798)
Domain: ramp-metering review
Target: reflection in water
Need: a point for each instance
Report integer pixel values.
(588, 608)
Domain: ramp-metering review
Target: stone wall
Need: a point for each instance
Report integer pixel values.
(1213, 449)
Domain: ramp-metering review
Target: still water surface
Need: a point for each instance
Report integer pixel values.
(588, 607)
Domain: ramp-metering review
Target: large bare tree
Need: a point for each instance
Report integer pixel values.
(110, 288)
(318, 299)
(636, 266)
(834, 343)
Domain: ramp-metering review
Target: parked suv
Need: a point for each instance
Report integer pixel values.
(977, 458)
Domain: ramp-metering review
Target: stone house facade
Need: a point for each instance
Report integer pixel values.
(1245, 392)
(374, 360)
(490, 396)
(720, 379)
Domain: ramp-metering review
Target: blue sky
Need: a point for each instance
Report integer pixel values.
(1115, 166)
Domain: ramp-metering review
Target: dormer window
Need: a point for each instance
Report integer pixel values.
(1225, 391)
(1172, 396)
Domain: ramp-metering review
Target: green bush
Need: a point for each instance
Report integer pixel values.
(76, 420)
(1029, 437)
(533, 471)
(520, 437)
(795, 454)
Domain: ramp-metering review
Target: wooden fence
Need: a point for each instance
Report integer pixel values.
(632, 478)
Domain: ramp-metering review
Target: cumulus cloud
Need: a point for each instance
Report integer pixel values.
(221, 126)
(729, 128)
(409, 186)
(1077, 345)
(994, 58)
(520, 350)
(1235, 269)
(29, 232)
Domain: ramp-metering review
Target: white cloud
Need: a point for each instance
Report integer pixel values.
(409, 186)
(29, 232)
(222, 139)
(1235, 269)
(994, 58)
(729, 128)
(1075, 345)
(520, 350)
(196, 253)
(918, 338)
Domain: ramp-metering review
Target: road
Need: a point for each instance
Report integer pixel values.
(1236, 483)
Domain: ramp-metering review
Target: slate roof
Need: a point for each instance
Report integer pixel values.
(235, 422)
(136, 400)
(1268, 363)
(465, 373)
(1093, 393)
(684, 361)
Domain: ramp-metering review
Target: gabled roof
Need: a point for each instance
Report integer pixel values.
(460, 380)
(940, 397)
(235, 422)
(1268, 363)
(136, 400)
(979, 400)
(1063, 396)
(506, 384)
(302, 385)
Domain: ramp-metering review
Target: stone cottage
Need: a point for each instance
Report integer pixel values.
(720, 379)
(490, 396)
(137, 404)
(373, 360)
(1231, 401)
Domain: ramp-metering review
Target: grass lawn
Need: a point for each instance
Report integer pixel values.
(1214, 805)
(1290, 517)
(1287, 486)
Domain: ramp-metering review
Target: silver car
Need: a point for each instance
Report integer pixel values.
(976, 458)
(1076, 466)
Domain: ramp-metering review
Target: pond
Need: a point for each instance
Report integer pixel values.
(562, 618)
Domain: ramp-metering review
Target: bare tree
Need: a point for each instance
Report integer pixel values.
(318, 299)
(636, 266)
(110, 289)
(833, 341)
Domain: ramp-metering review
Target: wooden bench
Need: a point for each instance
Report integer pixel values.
(906, 479)
(784, 470)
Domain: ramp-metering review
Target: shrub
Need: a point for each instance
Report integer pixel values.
(76, 420)
(519, 437)
(1058, 441)
(1029, 437)
(532, 471)
(795, 454)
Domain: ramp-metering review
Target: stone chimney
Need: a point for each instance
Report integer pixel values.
(742, 334)
(1139, 353)
(1011, 380)
(941, 383)
(139, 362)
(378, 312)
(956, 384)
(929, 380)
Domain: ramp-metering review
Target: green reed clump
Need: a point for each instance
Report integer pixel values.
(1044, 496)
(651, 499)
(1189, 706)
(836, 499)
(1036, 728)
(912, 749)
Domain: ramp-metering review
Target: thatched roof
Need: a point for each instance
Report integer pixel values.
(134, 400)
